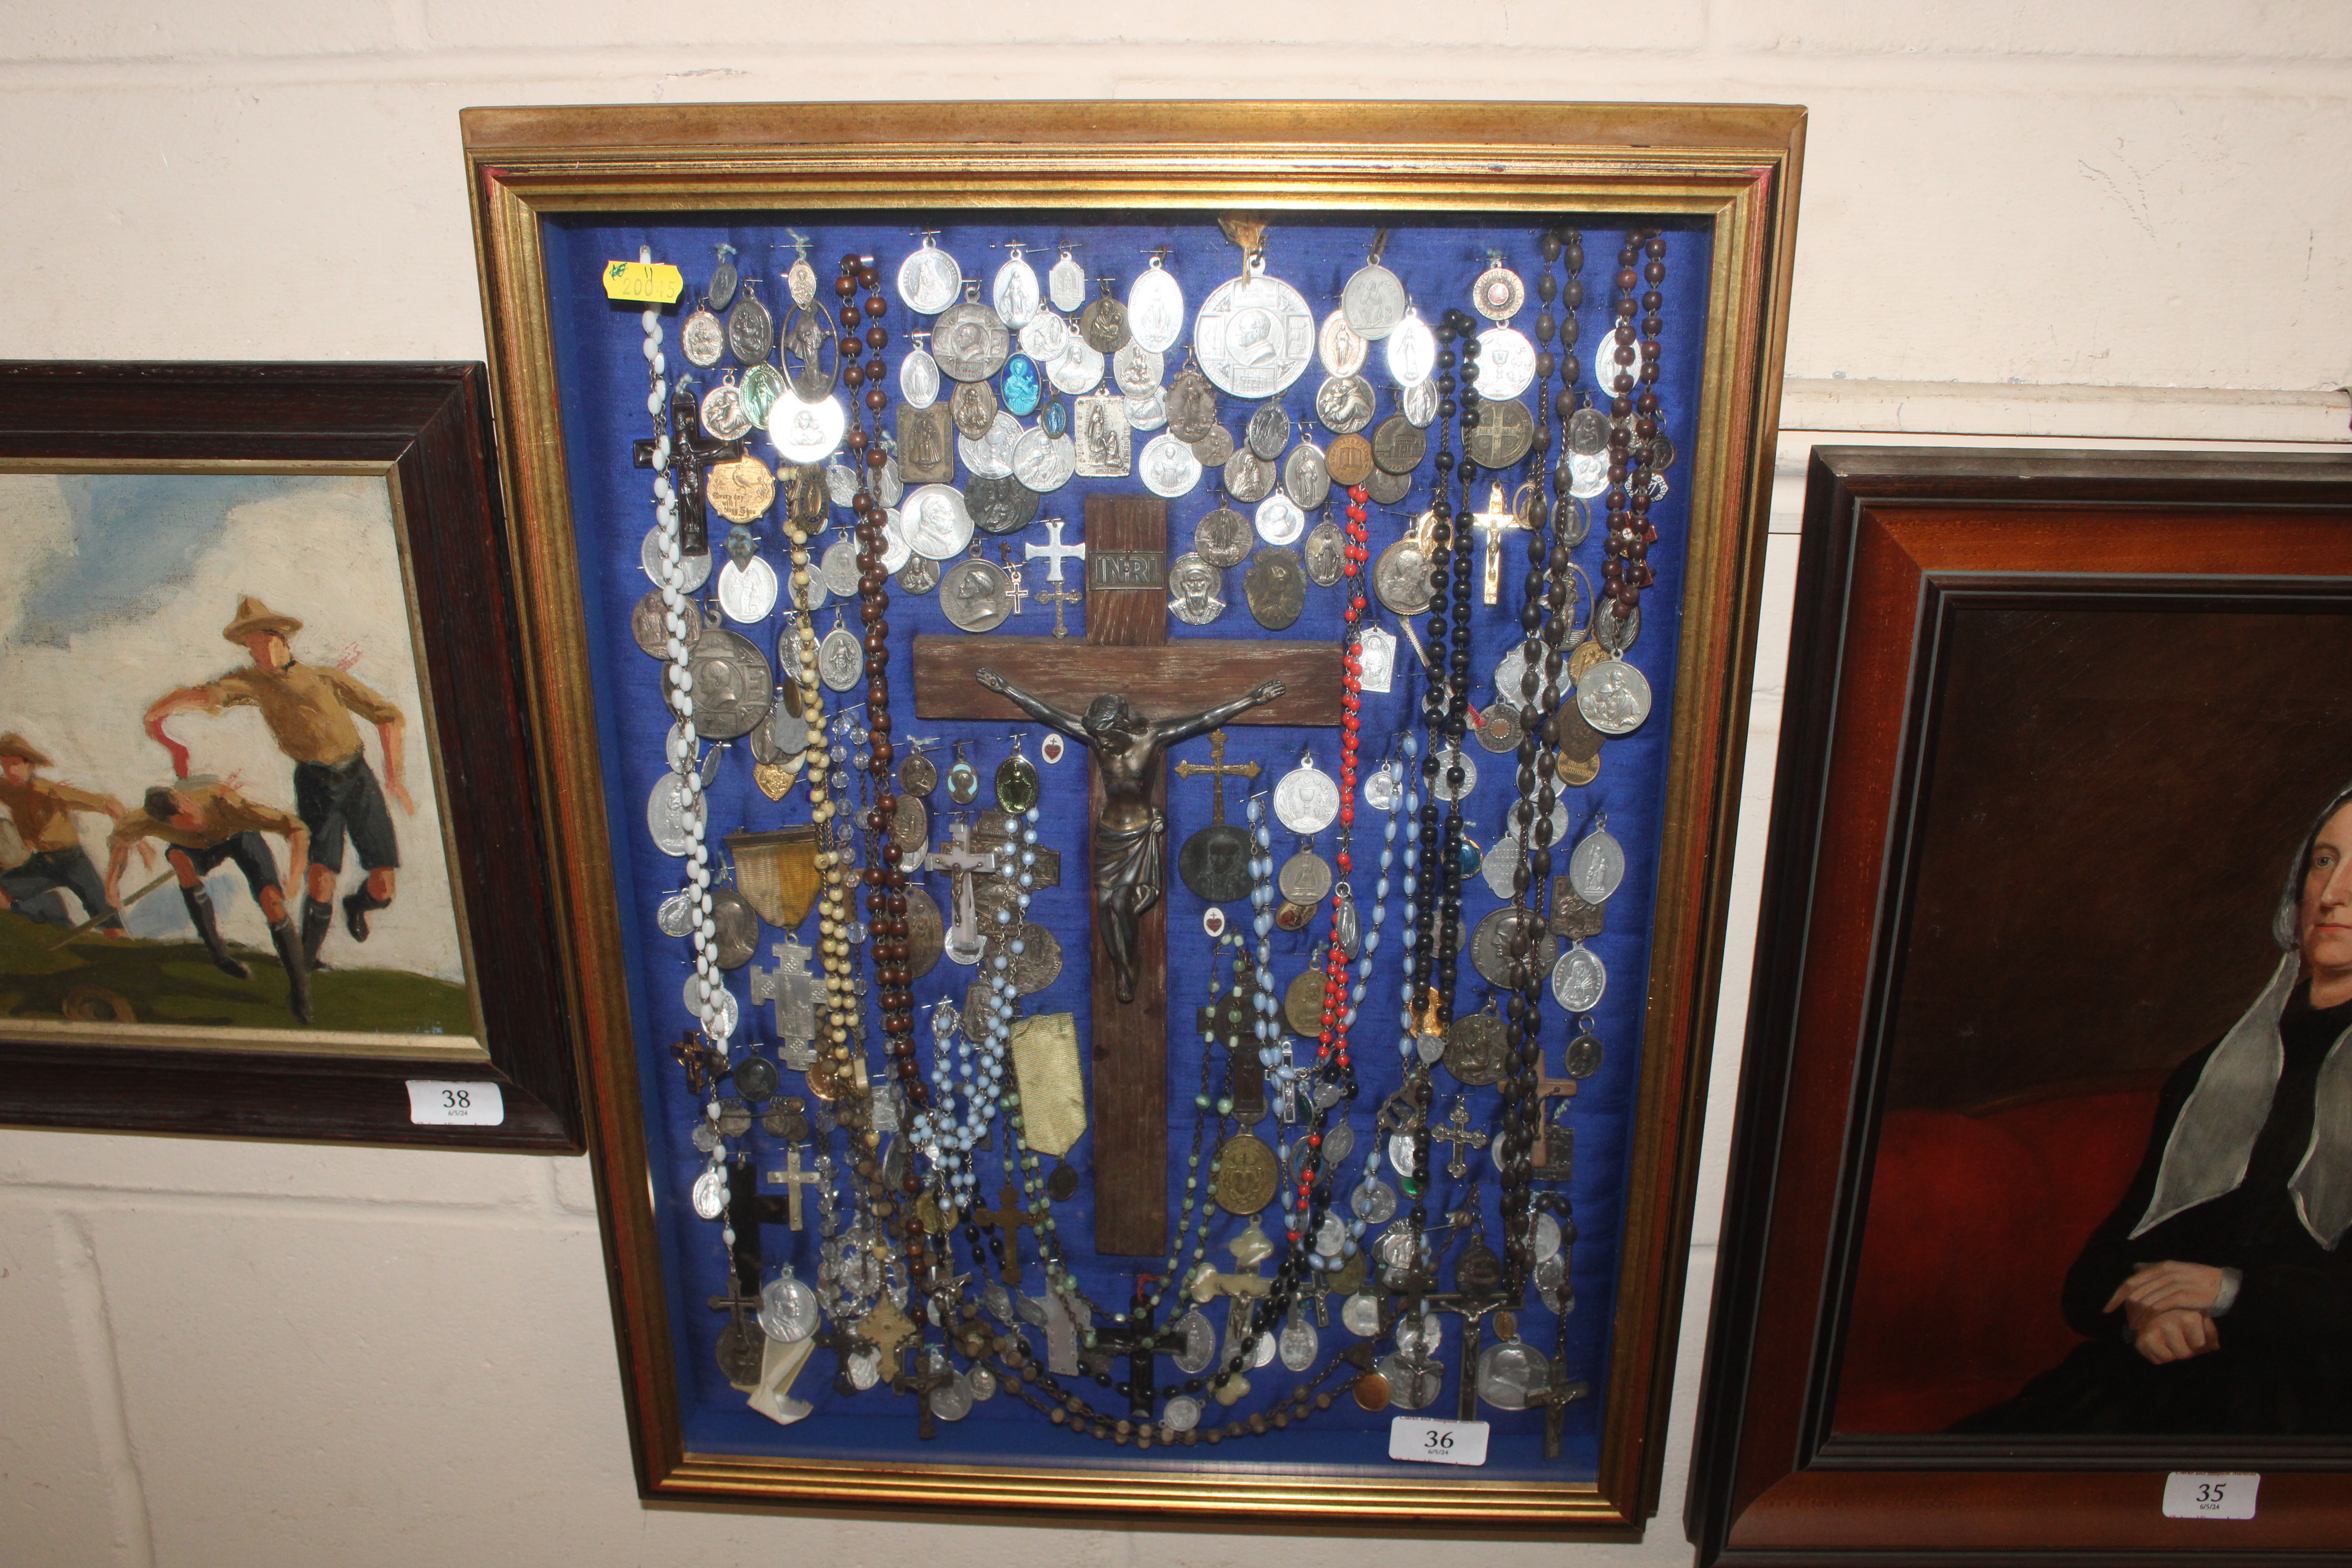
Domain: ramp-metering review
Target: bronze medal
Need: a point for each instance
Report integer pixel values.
(1478, 1272)
(1490, 945)
(910, 826)
(1191, 405)
(740, 491)
(650, 626)
(1001, 505)
(1474, 1050)
(1349, 461)
(1038, 964)
(1371, 1392)
(974, 407)
(1269, 431)
(1505, 431)
(1246, 1174)
(1277, 588)
(1576, 773)
(1498, 727)
(1103, 324)
(1579, 740)
(1221, 539)
(918, 775)
(1571, 916)
(1583, 1055)
(1581, 662)
(1302, 1005)
(1388, 488)
(738, 936)
(920, 576)
(1214, 449)
(741, 1347)
(926, 444)
(756, 1079)
(1399, 445)
(925, 932)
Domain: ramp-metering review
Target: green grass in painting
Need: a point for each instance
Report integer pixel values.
(174, 982)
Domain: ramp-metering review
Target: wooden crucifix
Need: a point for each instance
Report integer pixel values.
(1125, 653)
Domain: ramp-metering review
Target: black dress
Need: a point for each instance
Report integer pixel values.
(2285, 1365)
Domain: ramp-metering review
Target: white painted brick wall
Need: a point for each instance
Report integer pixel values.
(2020, 219)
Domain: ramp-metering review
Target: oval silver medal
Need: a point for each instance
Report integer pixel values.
(1578, 979)
(671, 813)
(1014, 293)
(919, 378)
(1596, 867)
(1155, 307)
(1065, 285)
(1412, 352)
(1339, 346)
(1044, 336)
(840, 661)
(710, 1194)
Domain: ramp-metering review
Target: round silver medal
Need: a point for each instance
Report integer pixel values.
(1384, 787)
(1279, 520)
(1065, 285)
(975, 596)
(1306, 800)
(1147, 412)
(703, 339)
(1344, 403)
(1413, 352)
(935, 522)
(1043, 462)
(1182, 1412)
(1588, 474)
(895, 551)
(1373, 301)
(1360, 1314)
(725, 1012)
(807, 432)
(1506, 363)
(732, 686)
(1447, 762)
(693, 571)
(970, 340)
(1597, 867)
(1339, 346)
(1578, 979)
(1498, 294)
(1155, 307)
(747, 593)
(1167, 467)
(1045, 337)
(1613, 697)
(723, 414)
(929, 280)
(1137, 369)
(1014, 293)
(1547, 1238)
(788, 1311)
(1254, 336)
(919, 378)
(990, 457)
(1077, 369)
(1374, 1201)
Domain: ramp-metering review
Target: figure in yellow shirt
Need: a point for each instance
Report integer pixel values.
(308, 710)
(204, 823)
(43, 810)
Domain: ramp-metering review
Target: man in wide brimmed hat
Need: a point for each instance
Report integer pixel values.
(43, 810)
(308, 710)
(205, 823)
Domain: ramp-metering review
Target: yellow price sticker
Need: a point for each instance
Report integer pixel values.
(649, 282)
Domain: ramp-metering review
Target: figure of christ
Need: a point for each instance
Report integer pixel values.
(1130, 859)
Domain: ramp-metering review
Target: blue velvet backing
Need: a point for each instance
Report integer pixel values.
(602, 382)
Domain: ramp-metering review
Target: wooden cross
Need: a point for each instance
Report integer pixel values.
(1144, 1341)
(1127, 651)
(1550, 1162)
(1007, 1219)
(793, 1179)
(1492, 523)
(688, 456)
(1229, 1019)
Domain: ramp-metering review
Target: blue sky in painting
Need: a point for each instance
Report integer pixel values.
(136, 536)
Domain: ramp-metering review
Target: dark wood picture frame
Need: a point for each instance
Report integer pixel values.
(1899, 543)
(427, 429)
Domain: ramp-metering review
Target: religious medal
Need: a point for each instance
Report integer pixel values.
(969, 340)
(710, 1194)
(1504, 434)
(671, 812)
(1498, 294)
(1376, 649)
(1098, 425)
(1399, 445)
(702, 338)
(802, 347)
(1614, 631)
(1572, 915)
(1475, 1051)
(1573, 773)
(840, 661)
(1155, 307)
(1014, 293)
(976, 596)
(1214, 861)
(1401, 577)
(1302, 1005)
(1449, 762)
(919, 376)
(963, 779)
(1043, 463)
(1339, 346)
(1146, 411)
(1246, 1175)
(918, 775)
(837, 568)
(1103, 323)
(1588, 432)
(747, 593)
(974, 408)
(1280, 521)
(1613, 696)
(935, 522)
(1344, 403)
(1588, 474)
(1255, 336)
(750, 331)
(1077, 368)
(1191, 405)
(1512, 1374)
(928, 279)
(1138, 370)
(740, 491)
(723, 414)
(1268, 431)
(1304, 879)
(1419, 403)
(1275, 587)
(1373, 301)
(1584, 1057)
(991, 457)
(1016, 782)
(788, 1309)
(1000, 505)
(799, 282)
(1502, 860)
(1412, 351)
(1349, 461)
(1326, 552)
(1196, 589)
(1044, 338)
(1578, 979)
(806, 432)
(926, 450)
(725, 1014)
(1598, 865)
(1306, 478)
(1032, 955)
(649, 624)
(1498, 727)
(1306, 800)
(732, 686)
(910, 826)
(1214, 449)
(1168, 466)
(1507, 364)
(1248, 477)
(1024, 387)
(1490, 945)
(1054, 417)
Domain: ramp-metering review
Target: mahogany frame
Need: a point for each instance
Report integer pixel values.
(1733, 167)
(1893, 538)
(427, 429)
